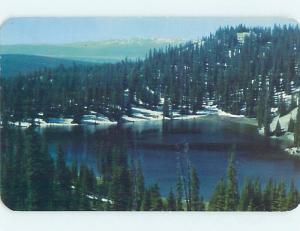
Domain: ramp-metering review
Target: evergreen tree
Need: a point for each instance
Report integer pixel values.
(156, 201)
(84, 203)
(246, 200)
(62, 182)
(166, 108)
(20, 173)
(291, 126)
(231, 197)
(217, 201)
(293, 104)
(146, 204)
(278, 130)
(257, 201)
(179, 193)
(293, 199)
(140, 187)
(268, 195)
(171, 202)
(281, 194)
(297, 129)
(75, 186)
(282, 107)
(40, 174)
(196, 203)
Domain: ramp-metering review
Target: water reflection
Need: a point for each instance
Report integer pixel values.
(159, 145)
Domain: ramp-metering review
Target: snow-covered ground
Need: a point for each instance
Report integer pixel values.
(294, 151)
(185, 117)
(138, 114)
(288, 137)
(53, 121)
(96, 119)
(284, 123)
(20, 124)
(43, 123)
(223, 113)
(284, 120)
(142, 114)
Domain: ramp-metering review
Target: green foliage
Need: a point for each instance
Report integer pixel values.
(291, 126)
(278, 130)
(62, 185)
(179, 192)
(40, 173)
(32, 180)
(232, 194)
(171, 201)
(297, 129)
(238, 77)
(196, 202)
(282, 107)
(217, 201)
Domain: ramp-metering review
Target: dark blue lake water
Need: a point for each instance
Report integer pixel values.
(164, 147)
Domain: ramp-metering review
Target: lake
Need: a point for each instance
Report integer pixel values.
(164, 147)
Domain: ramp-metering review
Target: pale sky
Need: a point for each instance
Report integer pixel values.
(30, 30)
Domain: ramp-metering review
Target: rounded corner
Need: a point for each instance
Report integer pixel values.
(6, 20)
(5, 206)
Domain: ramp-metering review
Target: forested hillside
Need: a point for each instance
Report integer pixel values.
(242, 70)
(14, 64)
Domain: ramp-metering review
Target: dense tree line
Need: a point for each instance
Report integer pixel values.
(241, 76)
(32, 179)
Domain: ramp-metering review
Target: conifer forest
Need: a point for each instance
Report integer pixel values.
(198, 93)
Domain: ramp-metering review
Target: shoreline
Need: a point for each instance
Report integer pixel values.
(285, 141)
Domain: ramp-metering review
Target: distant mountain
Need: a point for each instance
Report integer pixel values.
(12, 64)
(99, 51)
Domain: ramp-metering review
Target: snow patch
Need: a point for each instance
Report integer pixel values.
(293, 151)
(223, 113)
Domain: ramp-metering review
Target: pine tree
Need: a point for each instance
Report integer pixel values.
(257, 196)
(171, 202)
(246, 202)
(267, 121)
(297, 129)
(231, 198)
(75, 198)
(293, 104)
(40, 174)
(293, 198)
(179, 193)
(156, 201)
(20, 180)
(62, 182)
(146, 204)
(196, 203)
(282, 200)
(167, 111)
(84, 203)
(7, 170)
(291, 126)
(278, 130)
(217, 201)
(140, 187)
(268, 196)
(282, 107)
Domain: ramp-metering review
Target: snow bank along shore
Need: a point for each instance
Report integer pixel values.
(139, 114)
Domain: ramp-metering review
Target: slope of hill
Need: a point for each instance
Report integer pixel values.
(12, 64)
(100, 51)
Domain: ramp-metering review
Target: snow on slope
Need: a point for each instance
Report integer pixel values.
(284, 120)
(138, 114)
